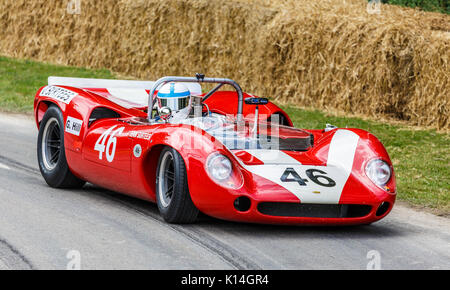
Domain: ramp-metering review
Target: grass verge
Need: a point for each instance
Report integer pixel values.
(421, 157)
(20, 79)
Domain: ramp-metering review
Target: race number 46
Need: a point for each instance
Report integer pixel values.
(109, 138)
(317, 176)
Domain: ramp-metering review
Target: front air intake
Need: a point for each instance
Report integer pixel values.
(287, 209)
(383, 208)
(242, 203)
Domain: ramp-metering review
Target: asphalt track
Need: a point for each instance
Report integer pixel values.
(41, 227)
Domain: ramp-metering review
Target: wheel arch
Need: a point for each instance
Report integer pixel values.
(42, 107)
(60, 175)
(149, 166)
(194, 158)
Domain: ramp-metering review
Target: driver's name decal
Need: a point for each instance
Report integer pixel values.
(139, 135)
(73, 126)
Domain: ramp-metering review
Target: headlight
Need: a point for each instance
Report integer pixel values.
(219, 167)
(379, 172)
(221, 170)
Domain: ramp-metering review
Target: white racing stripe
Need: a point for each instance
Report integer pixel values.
(342, 150)
(272, 156)
(340, 162)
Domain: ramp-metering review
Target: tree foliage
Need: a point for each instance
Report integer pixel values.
(442, 6)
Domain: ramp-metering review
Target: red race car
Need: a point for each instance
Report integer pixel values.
(226, 154)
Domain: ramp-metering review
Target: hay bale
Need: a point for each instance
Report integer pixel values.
(324, 54)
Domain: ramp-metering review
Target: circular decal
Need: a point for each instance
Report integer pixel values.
(137, 151)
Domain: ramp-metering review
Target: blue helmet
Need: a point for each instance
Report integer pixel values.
(176, 96)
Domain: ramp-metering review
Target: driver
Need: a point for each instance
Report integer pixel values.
(177, 97)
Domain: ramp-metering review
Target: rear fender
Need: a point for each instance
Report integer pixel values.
(77, 111)
(78, 105)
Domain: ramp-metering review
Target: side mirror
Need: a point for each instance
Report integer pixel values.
(165, 113)
(256, 101)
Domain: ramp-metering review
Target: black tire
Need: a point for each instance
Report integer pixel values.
(51, 154)
(178, 207)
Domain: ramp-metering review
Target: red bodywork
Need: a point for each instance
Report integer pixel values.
(135, 176)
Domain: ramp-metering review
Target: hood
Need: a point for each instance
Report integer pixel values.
(247, 135)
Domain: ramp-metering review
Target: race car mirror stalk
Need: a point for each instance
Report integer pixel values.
(200, 78)
(257, 102)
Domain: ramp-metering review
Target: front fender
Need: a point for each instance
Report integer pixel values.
(194, 146)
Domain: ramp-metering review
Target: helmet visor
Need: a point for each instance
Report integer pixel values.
(175, 104)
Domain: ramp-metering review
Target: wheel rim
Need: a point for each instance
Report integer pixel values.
(166, 178)
(51, 144)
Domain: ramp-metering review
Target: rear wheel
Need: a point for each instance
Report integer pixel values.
(172, 192)
(51, 153)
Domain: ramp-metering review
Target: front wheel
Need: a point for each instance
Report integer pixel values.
(172, 192)
(50, 150)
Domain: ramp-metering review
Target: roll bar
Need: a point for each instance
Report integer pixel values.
(199, 78)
